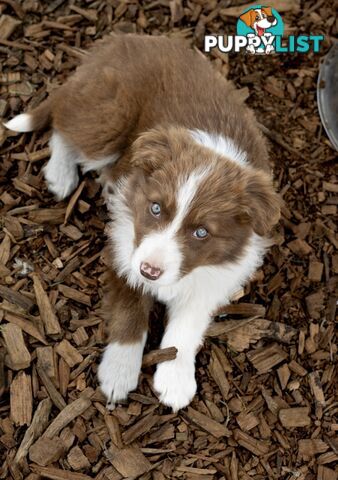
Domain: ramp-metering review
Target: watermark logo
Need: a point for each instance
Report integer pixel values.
(260, 25)
(260, 32)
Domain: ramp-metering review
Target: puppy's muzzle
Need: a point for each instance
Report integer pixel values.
(149, 271)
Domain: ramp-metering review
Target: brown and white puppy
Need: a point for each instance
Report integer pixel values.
(188, 188)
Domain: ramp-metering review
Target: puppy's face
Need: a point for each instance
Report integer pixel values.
(189, 207)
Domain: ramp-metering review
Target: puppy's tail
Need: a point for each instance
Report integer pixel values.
(37, 119)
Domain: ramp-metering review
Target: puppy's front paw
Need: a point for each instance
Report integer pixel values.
(119, 371)
(175, 382)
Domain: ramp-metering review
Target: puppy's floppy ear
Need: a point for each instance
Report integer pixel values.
(150, 150)
(268, 11)
(261, 203)
(248, 18)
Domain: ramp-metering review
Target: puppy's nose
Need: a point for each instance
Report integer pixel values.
(271, 18)
(149, 271)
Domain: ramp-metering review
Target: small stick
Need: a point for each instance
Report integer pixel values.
(159, 356)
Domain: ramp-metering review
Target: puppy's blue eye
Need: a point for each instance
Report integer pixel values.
(200, 233)
(155, 209)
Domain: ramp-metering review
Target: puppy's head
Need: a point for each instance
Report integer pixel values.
(186, 206)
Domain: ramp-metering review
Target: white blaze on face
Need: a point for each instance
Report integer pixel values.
(161, 249)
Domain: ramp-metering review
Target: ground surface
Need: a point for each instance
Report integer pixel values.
(267, 400)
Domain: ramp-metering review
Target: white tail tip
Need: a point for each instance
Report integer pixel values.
(20, 123)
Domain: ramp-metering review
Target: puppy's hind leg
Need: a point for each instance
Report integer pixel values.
(61, 171)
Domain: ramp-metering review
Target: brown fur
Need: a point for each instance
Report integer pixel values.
(129, 84)
(126, 311)
(42, 115)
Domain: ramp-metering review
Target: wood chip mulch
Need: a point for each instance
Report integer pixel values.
(267, 401)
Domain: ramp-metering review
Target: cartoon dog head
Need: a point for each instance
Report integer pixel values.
(259, 19)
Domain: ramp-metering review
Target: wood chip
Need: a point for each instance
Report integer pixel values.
(89, 14)
(18, 356)
(216, 370)
(315, 271)
(58, 474)
(140, 428)
(75, 295)
(72, 202)
(8, 25)
(239, 334)
(51, 323)
(71, 266)
(55, 396)
(245, 309)
(299, 247)
(5, 248)
(247, 421)
(283, 375)
(69, 413)
(25, 322)
(257, 447)
(46, 451)
(206, 423)
(77, 460)
(297, 369)
(21, 399)
(330, 187)
(129, 461)
(16, 298)
(39, 423)
(71, 231)
(294, 417)
(316, 388)
(114, 430)
(264, 359)
(315, 304)
(53, 216)
(71, 356)
(325, 473)
(309, 447)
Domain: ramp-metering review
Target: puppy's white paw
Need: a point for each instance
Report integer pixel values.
(119, 370)
(175, 382)
(61, 178)
(269, 49)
